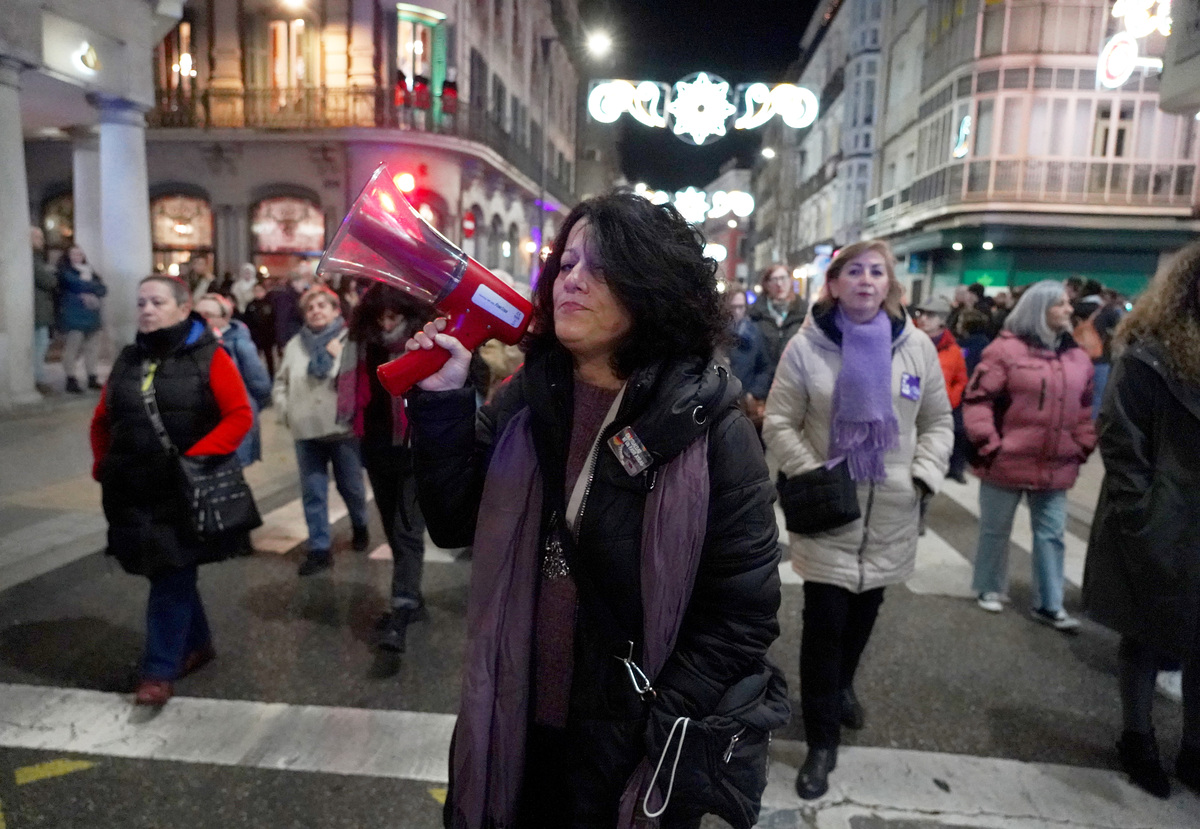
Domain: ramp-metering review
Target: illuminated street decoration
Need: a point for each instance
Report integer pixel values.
(699, 107)
(796, 105)
(86, 59)
(1120, 57)
(609, 100)
(964, 136)
(695, 206)
(715, 251)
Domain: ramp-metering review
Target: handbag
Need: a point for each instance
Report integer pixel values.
(215, 494)
(720, 762)
(819, 500)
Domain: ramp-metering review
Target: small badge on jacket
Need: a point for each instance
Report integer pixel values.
(910, 386)
(630, 451)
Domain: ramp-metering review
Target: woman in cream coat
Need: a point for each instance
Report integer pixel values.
(894, 428)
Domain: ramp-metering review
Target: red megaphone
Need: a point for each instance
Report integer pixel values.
(384, 238)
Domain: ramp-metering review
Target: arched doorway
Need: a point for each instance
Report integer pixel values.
(283, 230)
(181, 226)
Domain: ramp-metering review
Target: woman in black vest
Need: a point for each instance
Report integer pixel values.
(204, 409)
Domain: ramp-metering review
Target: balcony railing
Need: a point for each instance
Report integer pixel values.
(1041, 181)
(311, 108)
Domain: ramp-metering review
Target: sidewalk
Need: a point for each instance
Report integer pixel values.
(50, 511)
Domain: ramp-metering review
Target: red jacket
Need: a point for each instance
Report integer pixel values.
(954, 367)
(1028, 412)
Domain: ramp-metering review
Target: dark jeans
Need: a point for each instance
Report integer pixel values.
(175, 623)
(837, 625)
(391, 472)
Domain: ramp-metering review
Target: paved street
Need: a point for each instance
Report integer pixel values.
(973, 719)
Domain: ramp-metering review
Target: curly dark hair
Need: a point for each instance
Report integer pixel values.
(380, 297)
(653, 262)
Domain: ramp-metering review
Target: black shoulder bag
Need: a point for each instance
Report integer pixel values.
(818, 500)
(215, 493)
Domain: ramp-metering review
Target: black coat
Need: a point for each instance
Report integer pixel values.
(731, 619)
(148, 523)
(776, 335)
(1142, 577)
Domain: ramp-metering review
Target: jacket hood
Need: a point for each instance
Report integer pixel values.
(1065, 342)
(668, 404)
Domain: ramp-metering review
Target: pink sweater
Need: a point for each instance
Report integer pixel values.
(1028, 411)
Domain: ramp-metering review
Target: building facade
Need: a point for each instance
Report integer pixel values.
(811, 192)
(266, 117)
(83, 67)
(995, 154)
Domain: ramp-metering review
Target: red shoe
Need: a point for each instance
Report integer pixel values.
(153, 692)
(197, 659)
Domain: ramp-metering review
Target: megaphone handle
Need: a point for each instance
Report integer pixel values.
(401, 374)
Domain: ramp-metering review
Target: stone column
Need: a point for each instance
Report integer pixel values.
(225, 89)
(85, 189)
(16, 257)
(360, 62)
(124, 211)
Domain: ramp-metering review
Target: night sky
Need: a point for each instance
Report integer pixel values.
(665, 40)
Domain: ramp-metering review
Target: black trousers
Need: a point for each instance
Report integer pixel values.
(837, 625)
(1138, 666)
(392, 478)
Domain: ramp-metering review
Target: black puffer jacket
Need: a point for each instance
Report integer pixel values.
(731, 619)
(776, 335)
(1142, 577)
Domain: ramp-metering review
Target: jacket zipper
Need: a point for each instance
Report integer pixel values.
(862, 548)
(1042, 397)
(604, 436)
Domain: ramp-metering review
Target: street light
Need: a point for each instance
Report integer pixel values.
(988, 246)
(599, 44)
(768, 153)
(957, 246)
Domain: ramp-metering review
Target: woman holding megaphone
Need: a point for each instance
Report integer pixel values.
(625, 573)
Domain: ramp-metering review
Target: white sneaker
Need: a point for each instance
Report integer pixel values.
(1170, 685)
(990, 602)
(1058, 620)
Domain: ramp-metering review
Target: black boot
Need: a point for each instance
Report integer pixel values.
(852, 714)
(73, 386)
(94, 383)
(315, 562)
(813, 779)
(393, 628)
(360, 539)
(1187, 766)
(1139, 759)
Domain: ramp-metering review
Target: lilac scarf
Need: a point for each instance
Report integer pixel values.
(489, 741)
(864, 422)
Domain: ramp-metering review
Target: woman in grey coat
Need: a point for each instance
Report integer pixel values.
(1142, 577)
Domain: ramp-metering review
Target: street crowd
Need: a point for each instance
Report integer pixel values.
(612, 481)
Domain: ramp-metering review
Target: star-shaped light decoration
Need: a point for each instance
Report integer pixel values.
(692, 204)
(701, 108)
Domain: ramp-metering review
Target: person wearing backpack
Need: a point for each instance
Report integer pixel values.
(625, 576)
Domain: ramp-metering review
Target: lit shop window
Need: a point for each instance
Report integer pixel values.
(174, 64)
(283, 228)
(181, 227)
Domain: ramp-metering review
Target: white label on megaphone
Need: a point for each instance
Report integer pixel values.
(497, 306)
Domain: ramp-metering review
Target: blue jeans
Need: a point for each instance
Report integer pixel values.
(175, 623)
(1099, 382)
(1048, 512)
(41, 344)
(314, 458)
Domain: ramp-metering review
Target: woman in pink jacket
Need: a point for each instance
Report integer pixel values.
(1027, 412)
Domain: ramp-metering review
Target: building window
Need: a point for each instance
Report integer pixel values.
(288, 66)
(414, 50)
(180, 227)
(283, 228)
(174, 68)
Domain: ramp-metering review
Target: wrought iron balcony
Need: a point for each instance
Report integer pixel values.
(313, 108)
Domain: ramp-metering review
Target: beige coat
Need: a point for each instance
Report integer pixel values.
(307, 405)
(879, 548)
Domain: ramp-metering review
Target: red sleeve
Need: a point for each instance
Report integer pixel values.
(101, 437)
(956, 381)
(236, 415)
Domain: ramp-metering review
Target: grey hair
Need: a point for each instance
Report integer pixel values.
(1028, 319)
